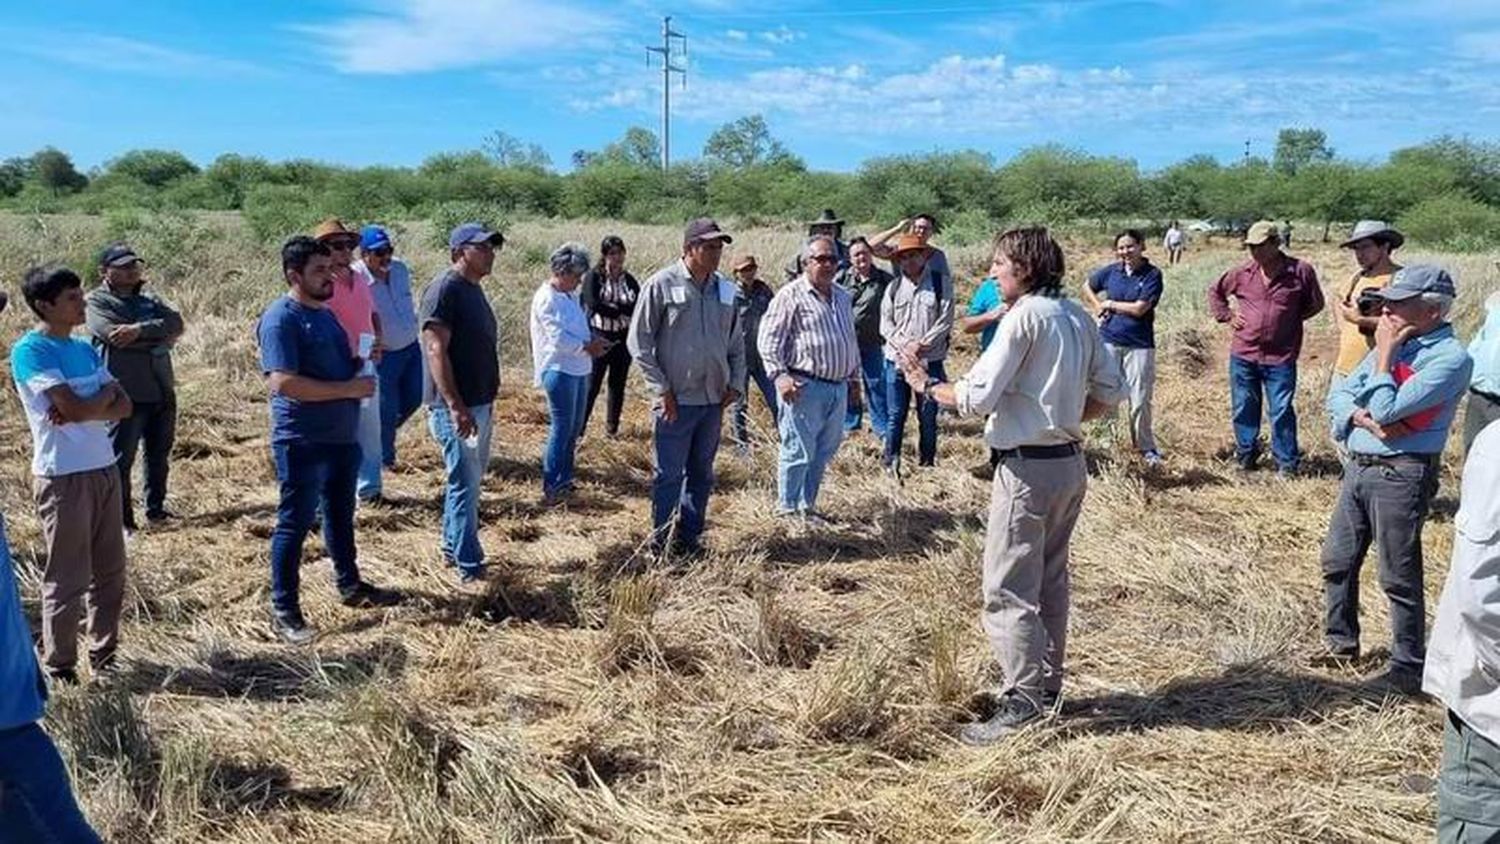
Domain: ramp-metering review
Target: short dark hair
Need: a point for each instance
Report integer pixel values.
(1133, 234)
(936, 226)
(862, 241)
(46, 283)
(1037, 257)
(295, 253)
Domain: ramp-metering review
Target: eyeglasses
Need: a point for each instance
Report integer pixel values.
(823, 259)
(342, 245)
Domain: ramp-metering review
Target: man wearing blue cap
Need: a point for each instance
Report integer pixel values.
(460, 340)
(400, 368)
(1393, 413)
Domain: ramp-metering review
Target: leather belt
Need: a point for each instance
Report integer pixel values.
(1040, 452)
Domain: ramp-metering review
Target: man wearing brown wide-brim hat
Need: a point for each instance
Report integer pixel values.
(828, 225)
(916, 319)
(1372, 243)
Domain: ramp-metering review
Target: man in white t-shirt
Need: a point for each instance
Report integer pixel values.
(70, 398)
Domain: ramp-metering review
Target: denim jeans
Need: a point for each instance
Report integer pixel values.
(400, 374)
(367, 484)
(685, 452)
(872, 379)
(898, 398)
(313, 476)
(36, 801)
(464, 464)
(760, 380)
(1279, 381)
(812, 427)
(154, 425)
(567, 399)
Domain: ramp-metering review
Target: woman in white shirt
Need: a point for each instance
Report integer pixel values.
(562, 352)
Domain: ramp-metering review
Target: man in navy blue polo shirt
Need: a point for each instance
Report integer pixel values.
(1124, 295)
(315, 390)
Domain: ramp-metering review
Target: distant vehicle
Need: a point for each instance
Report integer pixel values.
(1221, 227)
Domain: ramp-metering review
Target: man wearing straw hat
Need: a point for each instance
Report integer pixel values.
(1393, 412)
(353, 305)
(827, 225)
(1358, 312)
(687, 339)
(916, 319)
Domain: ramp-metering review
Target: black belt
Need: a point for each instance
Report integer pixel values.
(1039, 452)
(802, 373)
(1393, 459)
(1490, 397)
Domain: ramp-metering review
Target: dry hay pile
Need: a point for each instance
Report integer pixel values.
(790, 686)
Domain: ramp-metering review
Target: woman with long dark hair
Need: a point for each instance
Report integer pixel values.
(609, 297)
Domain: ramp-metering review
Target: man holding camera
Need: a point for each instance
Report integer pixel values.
(1357, 309)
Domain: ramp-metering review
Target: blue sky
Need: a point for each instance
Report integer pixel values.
(393, 81)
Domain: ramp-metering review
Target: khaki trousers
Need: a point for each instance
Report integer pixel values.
(1139, 367)
(83, 530)
(1034, 505)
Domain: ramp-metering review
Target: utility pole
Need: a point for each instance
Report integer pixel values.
(667, 69)
(1247, 150)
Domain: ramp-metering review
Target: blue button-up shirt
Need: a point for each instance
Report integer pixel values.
(1485, 350)
(1440, 375)
(393, 303)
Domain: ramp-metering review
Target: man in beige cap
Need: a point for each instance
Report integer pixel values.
(1265, 301)
(751, 300)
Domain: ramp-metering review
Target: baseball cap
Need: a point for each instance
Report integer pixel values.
(745, 262)
(332, 227)
(704, 229)
(118, 255)
(468, 233)
(1417, 279)
(1261, 232)
(374, 237)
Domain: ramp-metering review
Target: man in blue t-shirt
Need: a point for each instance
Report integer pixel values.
(70, 399)
(984, 313)
(1124, 295)
(36, 802)
(315, 389)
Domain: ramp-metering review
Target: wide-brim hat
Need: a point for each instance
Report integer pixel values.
(745, 262)
(1374, 230)
(333, 227)
(910, 243)
(827, 218)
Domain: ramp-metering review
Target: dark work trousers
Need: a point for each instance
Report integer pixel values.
(613, 366)
(1383, 501)
(154, 426)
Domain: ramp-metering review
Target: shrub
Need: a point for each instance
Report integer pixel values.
(1453, 222)
(276, 212)
(445, 216)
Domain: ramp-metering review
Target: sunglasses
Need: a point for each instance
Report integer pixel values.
(823, 259)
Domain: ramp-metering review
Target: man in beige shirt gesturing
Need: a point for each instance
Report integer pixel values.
(1045, 373)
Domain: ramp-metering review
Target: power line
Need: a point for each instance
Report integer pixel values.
(667, 69)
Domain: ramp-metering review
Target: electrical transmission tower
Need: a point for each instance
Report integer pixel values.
(667, 69)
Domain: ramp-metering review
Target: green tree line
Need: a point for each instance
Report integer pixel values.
(1445, 192)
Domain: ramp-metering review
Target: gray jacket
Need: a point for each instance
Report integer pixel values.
(143, 368)
(688, 342)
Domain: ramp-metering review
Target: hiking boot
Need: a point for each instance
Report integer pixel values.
(1399, 682)
(292, 628)
(364, 596)
(1016, 710)
(161, 518)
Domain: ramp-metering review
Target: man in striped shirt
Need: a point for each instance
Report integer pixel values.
(810, 351)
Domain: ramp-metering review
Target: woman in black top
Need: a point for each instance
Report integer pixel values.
(609, 297)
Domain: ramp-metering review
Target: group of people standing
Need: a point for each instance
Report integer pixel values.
(350, 352)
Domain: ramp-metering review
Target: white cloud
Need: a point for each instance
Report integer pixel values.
(782, 35)
(1479, 46)
(736, 35)
(623, 98)
(412, 36)
(121, 55)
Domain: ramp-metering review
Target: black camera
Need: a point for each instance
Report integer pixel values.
(1369, 304)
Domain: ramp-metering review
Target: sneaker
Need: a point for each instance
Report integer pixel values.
(161, 518)
(1016, 711)
(364, 596)
(1399, 682)
(470, 576)
(1152, 459)
(292, 628)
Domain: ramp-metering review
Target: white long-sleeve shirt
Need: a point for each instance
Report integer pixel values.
(1033, 378)
(1463, 653)
(559, 331)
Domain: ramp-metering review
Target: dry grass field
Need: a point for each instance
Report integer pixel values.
(787, 687)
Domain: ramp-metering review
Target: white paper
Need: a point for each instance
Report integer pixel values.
(726, 293)
(366, 348)
(676, 295)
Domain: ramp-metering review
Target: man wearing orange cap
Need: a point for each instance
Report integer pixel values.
(353, 305)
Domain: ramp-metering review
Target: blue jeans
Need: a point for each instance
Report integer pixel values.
(314, 476)
(367, 485)
(812, 428)
(36, 802)
(685, 452)
(762, 381)
(464, 465)
(567, 400)
(898, 398)
(872, 372)
(400, 394)
(1246, 381)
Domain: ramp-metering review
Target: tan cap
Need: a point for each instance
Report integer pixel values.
(745, 262)
(333, 227)
(1261, 232)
